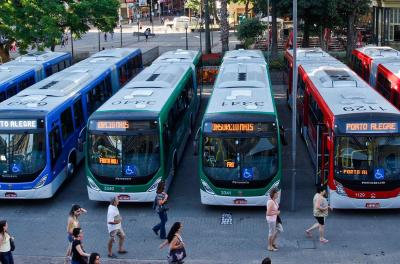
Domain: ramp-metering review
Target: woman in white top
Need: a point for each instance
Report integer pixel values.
(272, 215)
(5, 244)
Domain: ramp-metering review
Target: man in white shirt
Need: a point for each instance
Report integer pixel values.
(114, 227)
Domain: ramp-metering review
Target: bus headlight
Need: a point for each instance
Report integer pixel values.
(41, 182)
(207, 188)
(153, 187)
(340, 189)
(92, 184)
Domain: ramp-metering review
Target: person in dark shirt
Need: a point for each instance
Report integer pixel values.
(79, 256)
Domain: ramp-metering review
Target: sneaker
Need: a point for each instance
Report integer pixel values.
(112, 256)
(155, 232)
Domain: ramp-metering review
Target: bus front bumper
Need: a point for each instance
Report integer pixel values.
(137, 197)
(211, 199)
(344, 202)
(44, 192)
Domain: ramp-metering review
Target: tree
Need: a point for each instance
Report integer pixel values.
(40, 23)
(224, 26)
(350, 11)
(248, 30)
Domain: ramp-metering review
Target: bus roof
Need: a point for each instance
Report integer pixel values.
(148, 91)
(26, 63)
(244, 56)
(344, 92)
(48, 94)
(306, 55)
(179, 56)
(241, 87)
(381, 53)
(393, 67)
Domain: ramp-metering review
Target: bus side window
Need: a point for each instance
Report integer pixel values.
(108, 87)
(67, 63)
(48, 71)
(383, 85)
(11, 91)
(61, 66)
(54, 68)
(55, 145)
(2, 96)
(26, 83)
(122, 74)
(67, 126)
(78, 114)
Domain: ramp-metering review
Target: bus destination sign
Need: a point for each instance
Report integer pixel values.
(18, 124)
(233, 127)
(378, 127)
(120, 125)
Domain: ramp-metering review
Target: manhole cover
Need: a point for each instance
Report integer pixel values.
(226, 219)
(306, 244)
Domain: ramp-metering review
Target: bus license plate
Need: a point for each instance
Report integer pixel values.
(372, 205)
(10, 194)
(240, 201)
(124, 197)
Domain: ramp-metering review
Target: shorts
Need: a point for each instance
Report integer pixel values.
(70, 238)
(320, 220)
(117, 232)
(271, 228)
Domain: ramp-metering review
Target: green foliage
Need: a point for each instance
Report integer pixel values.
(248, 30)
(40, 23)
(193, 5)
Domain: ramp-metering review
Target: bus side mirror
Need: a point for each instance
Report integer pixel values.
(282, 135)
(196, 143)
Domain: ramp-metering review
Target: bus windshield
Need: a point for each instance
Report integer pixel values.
(124, 157)
(22, 156)
(240, 160)
(368, 159)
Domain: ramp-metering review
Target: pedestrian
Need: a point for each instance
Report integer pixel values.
(146, 33)
(177, 251)
(62, 41)
(66, 39)
(161, 209)
(94, 258)
(79, 256)
(105, 36)
(6, 244)
(271, 216)
(162, 21)
(112, 35)
(114, 221)
(320, 211)
(267, 260)
(73, 222)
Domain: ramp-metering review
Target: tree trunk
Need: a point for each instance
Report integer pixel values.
(4, 53)
(246, 8)
(274, 28)
(224, 26)
(350, 34)
(306, 34)
(207, 27)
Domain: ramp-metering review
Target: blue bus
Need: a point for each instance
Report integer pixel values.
(42, 128)
(29, 69)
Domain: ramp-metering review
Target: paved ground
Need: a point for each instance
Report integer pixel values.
(355, 236)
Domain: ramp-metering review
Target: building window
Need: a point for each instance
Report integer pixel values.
(394, 24)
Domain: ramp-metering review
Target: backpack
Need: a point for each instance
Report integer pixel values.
(155, 203)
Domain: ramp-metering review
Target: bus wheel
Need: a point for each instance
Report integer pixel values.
(71, 165)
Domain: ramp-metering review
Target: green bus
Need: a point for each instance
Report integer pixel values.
(137, 138)
(239, 140)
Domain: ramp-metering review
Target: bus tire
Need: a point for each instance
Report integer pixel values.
(71, 164)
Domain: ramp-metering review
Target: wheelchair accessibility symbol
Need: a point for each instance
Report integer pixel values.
(15, 168)
(379, 174)
(130, 170)
(247, 173)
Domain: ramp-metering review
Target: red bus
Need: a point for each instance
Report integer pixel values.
(304, 56)
(372, 63)
(352, 134)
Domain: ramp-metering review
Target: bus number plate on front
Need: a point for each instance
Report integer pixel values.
(124, 197)
(240, 201)
(372, 205)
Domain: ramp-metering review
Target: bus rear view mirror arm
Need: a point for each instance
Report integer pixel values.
(282, 135)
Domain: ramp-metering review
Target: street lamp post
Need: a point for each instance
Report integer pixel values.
(99, 37)
(186, 28)
(138, 30)
(201, 44)
(294, 105)
(120, 26)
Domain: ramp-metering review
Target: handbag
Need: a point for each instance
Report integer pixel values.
(12, 244)
(176, 255)
(279, 225)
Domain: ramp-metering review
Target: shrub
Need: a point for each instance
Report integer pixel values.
(248, 30)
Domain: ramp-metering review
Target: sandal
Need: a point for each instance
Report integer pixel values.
(273, 249)
(308, 234)
(324, 241)
(112, 256)
(122, 251)
(275, 246)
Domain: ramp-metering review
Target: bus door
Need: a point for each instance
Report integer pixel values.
(322, 154)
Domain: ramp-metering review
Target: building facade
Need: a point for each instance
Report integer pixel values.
(386, 21)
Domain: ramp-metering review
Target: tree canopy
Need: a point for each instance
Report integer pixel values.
(248, 30)
(40, 23)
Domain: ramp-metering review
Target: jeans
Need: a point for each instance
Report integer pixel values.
(6, 258)
(161, 226)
